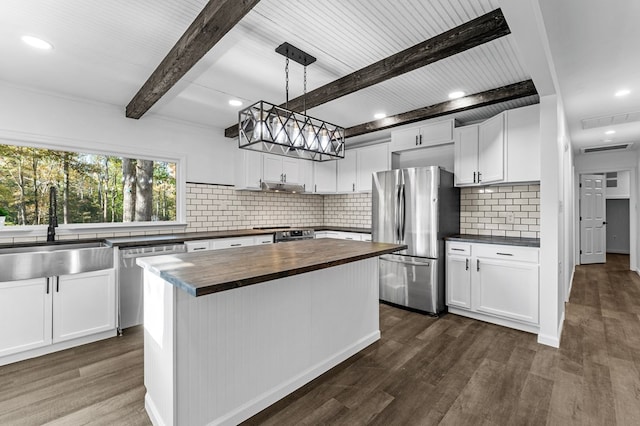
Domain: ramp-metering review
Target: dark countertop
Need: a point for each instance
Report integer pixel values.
(202, 273)
(341, 229)
(484, 239)
(150, 240)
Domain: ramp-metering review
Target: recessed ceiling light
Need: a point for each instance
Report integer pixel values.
(379, 115)
(609, 132)
(36, 42)
(235, 102)
(456, 95)
(607, 140)
(623, 92)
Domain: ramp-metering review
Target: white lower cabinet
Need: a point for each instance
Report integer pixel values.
(494, 283)
(341, 235)
(83, 304)
(25, 315)
(224, 243)
(37, 314)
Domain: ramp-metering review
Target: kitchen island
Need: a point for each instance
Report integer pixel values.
(230, 332)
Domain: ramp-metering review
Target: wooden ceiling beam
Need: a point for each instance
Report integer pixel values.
(215, 20)
(477, 100)
(471, 34)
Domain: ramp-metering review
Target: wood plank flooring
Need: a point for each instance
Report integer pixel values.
(449, 371)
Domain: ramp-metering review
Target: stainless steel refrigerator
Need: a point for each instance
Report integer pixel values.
(418, 207)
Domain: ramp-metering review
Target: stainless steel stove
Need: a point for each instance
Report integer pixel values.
(286, 233)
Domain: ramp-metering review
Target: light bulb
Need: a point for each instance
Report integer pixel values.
(324, 140)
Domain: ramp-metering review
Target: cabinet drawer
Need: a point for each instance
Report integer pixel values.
(516, 253)
(263, 239)
(224, 243)
(463, 249)
(197, 246)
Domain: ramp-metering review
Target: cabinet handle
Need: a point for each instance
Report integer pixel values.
(416, 140)
(478, 265)
(420, 139)
(315, 187)
(57, 284)
(236, 245)
(479, 174)
(505, 254)
(348, 238)
(47, 285)
(285, 178)
(353, 187)
(466, 264)
(474, 177)
(199, 248)
(457, 249)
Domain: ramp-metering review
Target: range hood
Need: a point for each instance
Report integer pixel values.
(281, 187)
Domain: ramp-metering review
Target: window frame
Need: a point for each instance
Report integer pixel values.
(129, 228)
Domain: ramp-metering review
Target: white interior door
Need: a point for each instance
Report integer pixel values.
(593, 234)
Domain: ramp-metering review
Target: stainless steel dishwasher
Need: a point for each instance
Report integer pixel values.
(131, 306)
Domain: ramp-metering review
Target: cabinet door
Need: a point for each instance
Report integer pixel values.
(506, 288)
(347, 172)
(523, 144)
(458, 281)
(291, 170)
(324, 176)
(25, 315)
(83, 304)
(466, 155)
(371, 159)
(272, 168)
(248, 169)
(401, 140)
(491, 150)
(436, 133)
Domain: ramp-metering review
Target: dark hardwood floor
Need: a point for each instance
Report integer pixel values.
(450, 371)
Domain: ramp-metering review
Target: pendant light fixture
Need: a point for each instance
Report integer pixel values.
(270, 128)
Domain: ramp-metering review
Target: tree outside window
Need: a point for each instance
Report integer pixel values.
(93, 188)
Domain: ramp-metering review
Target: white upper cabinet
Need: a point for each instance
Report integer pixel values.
(506, 149)
(491, 150)
(248, 169)
(282, 169)
(347, 172)
(253, 167)
(422, 136)
(371, 159)
(356, 169)
(324, 177)
(523, 144)
(466, 155)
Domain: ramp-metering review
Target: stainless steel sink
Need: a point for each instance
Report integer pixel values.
(38, 261)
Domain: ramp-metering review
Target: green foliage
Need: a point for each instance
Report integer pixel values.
(90, 186)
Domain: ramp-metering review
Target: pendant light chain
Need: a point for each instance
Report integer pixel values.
(286, 72)
(304, 99)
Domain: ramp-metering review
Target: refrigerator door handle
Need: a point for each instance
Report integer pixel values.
(397, 213)
(403, 202)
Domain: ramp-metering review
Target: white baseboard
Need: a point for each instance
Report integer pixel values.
(573, 273)
(152, 411)
(33, 353)
(553, 341)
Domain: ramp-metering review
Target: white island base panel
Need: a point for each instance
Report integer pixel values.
(223, 357)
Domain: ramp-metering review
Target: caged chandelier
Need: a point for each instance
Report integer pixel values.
(270, 128)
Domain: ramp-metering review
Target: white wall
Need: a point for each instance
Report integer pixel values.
(622, 190)
(31, 116)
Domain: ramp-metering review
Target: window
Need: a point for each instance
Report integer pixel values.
(91, 188)
(612, 179)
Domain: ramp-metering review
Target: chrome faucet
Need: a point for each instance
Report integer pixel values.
(53, 217)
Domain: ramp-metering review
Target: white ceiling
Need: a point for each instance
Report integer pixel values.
(594, 46)
(104, 51)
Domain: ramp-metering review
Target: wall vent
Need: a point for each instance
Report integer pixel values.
(607, 148)
(610, 120)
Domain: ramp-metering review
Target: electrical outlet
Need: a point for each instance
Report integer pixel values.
(509, 217)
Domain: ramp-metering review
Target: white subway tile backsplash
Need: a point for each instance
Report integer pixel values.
(484, 210)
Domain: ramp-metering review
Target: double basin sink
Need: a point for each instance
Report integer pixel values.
(39, 261)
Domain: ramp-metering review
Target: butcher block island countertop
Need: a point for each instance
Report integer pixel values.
(202, 273)
(271, 319)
